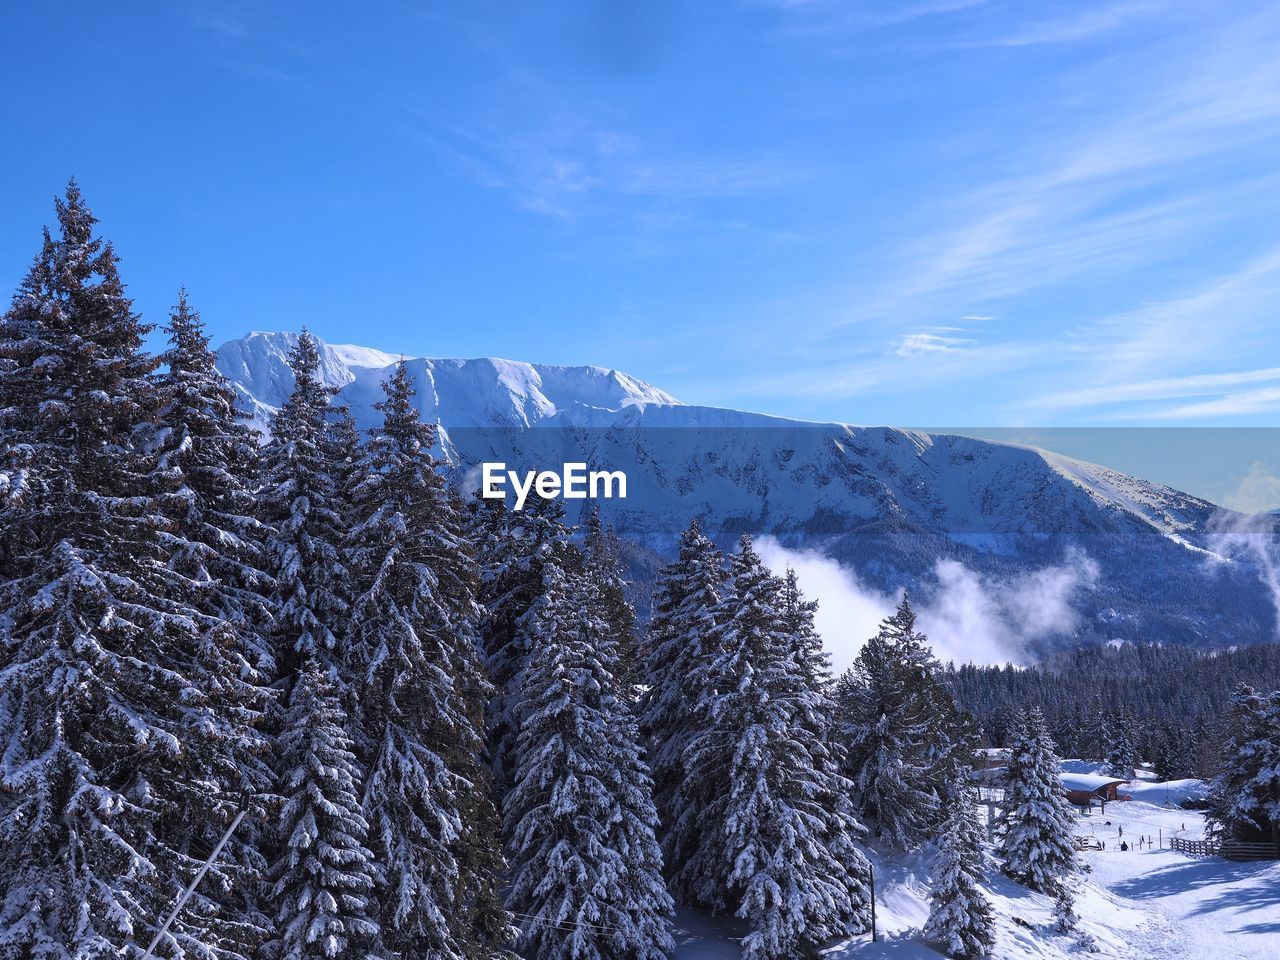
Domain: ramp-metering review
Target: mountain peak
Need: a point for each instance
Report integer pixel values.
(483, 392)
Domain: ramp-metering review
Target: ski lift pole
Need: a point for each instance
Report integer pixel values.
(873, 903)
(195, 881)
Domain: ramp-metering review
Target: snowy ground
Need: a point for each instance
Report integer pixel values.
(1140, 904)
(1199, 907)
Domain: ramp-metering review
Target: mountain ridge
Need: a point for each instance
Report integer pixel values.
(889, 503)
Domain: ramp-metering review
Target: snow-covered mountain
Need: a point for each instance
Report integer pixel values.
(457, 393)
(888, 503)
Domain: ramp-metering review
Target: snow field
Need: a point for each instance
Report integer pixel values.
(1140, 904)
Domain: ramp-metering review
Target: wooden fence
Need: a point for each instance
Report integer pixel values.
(1228, 849)
(1235, 850)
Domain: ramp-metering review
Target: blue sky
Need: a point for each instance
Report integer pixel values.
(930, 212)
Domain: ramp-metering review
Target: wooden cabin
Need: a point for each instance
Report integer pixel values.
(1083, 789)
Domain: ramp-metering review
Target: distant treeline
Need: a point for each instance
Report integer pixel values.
(1171, 699)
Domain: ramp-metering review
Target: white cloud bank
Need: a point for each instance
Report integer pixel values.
(1259, 490)
(970, 617)
(1252, 541)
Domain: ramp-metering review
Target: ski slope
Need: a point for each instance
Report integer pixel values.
(1200, 908)
(1148, 904)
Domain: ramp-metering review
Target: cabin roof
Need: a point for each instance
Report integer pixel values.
(1088, 781)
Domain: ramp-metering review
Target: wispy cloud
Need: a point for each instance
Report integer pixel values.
(970, 23)
(968, 617)
(1232, 405)
(247, 39)
(1097, 243)
(1130, 184)
(1215, 320)
(1077, 23)
(914, 344)
(1162, 389)
(569, 167)
(1088, 197)
(1258, 490)
(1230, 316)
(928, 370)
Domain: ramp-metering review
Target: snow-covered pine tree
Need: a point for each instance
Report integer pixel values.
(1172, 757)
(1036, 820)
(1001, 723)
(818, 711)
(778, 841)
(681, 638)
(300, 502)
(579, 819)
(323, 873)
(603, 565)
(205, 457)
(420, 707)
(960, 915)
(306, 467)
(513, 547)
(1244, 796)
(883, 725)
(217, 543)
(345, 451)
(98, 704)
(1065, 917)
(797, 617)
(952, 750)
(1121, 751)
(1093, 736)
(648, 904)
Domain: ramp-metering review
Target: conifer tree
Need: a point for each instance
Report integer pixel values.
(960, 916)
(104, 724)
(798, 621)
(306, 474)
(323, 874)
(1244, 796)
(345, 452)
(514, 546)
(603, 565)
(1121, 751)
(883, 723)
(420, 706)
(1036, 820)
(300, 501)
(778, 840)
(205, 458)
(1170, 759)
(681, 639)
(579, 820)
(817, 713)
(647, 901)
(1065, 917)
(953, 746)
(212, 454)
